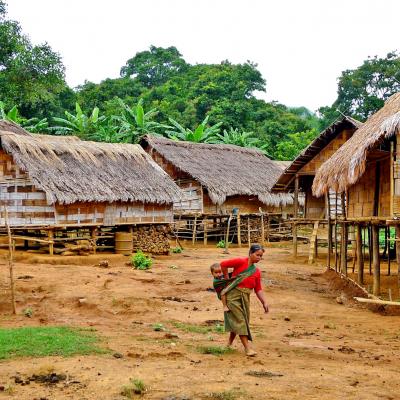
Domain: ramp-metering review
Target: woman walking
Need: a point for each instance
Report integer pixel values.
(248, 278)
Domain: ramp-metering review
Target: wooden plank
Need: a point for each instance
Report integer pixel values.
(377, 301)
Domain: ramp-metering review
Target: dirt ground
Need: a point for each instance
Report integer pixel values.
(315, 347)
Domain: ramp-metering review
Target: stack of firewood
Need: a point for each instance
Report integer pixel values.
(151, 239)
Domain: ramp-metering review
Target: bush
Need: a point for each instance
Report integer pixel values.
(221, 244)
(177, 250)
(141, 261)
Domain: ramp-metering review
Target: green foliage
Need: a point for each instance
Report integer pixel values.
(135, 122)
(135, 387)
(46, 341)
(215, 350)
(291, 147)
(362, 91)
(80, 124)
(202, 133)
(192, 328)
(31, 76)
(141, 261)
(158, 327)
(177, 250)
(221, 244)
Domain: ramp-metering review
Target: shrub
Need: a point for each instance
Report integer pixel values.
(141, 261)
(177, 250)
(135, 386)
(221, 244)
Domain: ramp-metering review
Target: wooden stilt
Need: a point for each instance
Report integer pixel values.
(343, 250)
(375, 261)
(352, 235)
(296, 211)
(205, 237)
(239, 231)
(248, 231)
(328, 261)
(268, 227)
(194, 230)
(50, 236)
(398, 255)
(388, 247)
(370, 248)
(10, 261)
(262, 230)
(93, 235)
(227, 235)
(360, 256)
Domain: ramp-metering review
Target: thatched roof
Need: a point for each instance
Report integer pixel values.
(348, 163)
(286, 180)
(224, 170)
(70, 170)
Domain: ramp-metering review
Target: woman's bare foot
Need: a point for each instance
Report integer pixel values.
(226, 309)
(250, 352)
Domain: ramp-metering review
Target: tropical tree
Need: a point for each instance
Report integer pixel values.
(134, 122)
(237, 137)
(202, 133)
(80, 124)
(290, 148)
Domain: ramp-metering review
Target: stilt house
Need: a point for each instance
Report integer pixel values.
(55, 182)
(215, 178)
(367, 169)
(299, 176)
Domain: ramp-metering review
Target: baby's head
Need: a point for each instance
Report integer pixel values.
(216, 270)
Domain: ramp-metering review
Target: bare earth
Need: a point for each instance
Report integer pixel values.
(322, 349)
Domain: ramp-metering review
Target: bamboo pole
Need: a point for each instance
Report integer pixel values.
(227, 235)
(360, 256)
(398, 255)
(239, 232)
(262, 230)
(375, 261)
(205, 232)
(248, 231)
(296, 211)
(10, 260)
(194, 230)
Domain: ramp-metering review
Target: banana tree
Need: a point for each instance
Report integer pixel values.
(134, 122)
(82, 125)
(202, 133)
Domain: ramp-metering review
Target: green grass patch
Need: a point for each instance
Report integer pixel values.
(47, 341)
(215, 350)
(191, 328)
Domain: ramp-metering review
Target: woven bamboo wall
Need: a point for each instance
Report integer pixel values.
(245, 204)
(361, 194)
(312, 166)
(27, 205)
(192, 197)
(314, 206)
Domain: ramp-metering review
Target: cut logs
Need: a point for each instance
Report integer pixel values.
(151, 238)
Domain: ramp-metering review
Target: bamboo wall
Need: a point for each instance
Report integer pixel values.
(27, 205)
(312, 166)
(362, 194)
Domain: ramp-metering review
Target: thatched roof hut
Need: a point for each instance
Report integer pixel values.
(286, 180)
(70, 170)
(348, 164)
(223, 170)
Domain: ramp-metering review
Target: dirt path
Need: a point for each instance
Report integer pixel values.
(321, 348)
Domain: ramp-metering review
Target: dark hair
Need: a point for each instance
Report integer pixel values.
(214, 266)
(255, 247)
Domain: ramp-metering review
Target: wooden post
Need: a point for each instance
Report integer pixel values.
(194, 230)
(248, 230)
(343, 250)
(388, 248)
(93, 236)
(50, 237)
(262, 230)
(398, 255)
(239, 232)
(269, 227)
(375, 260)
(360, 256)
(370, 250)
(205, 236)
(391, 177)
(336, 234)
(328, 261)
(10, 261)
(296, 211)
(227, 235)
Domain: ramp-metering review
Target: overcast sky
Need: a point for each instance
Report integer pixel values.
(300, 46)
